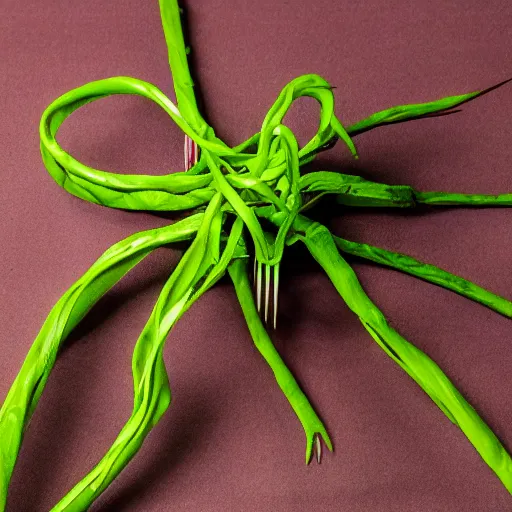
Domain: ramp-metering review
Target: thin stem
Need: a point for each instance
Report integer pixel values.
(454, 199)
(178, 62)
(427, 272)
(307, 416)
(403, 113)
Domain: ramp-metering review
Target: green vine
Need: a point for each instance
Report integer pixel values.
(244, 207)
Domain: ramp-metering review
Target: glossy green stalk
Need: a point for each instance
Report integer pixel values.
(403, 113)
(29, 384)
(427, 272)
(413, 361)
(310, 421)
(152, 394)
(450, 199)
(353, 190)
(183, 83)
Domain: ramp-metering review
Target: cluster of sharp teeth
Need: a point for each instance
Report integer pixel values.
(191, 152)
(258, 278)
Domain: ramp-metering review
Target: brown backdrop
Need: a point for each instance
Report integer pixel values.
(230, 441)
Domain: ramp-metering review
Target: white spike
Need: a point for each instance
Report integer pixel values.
(196, 153)
(258, 287)
(185, 152)
(318, 446)
(276, 292)
(267, 290)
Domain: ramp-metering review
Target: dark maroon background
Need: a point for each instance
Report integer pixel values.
(230, 441)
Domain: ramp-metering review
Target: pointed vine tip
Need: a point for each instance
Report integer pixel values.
(318, 448)
(493, 87)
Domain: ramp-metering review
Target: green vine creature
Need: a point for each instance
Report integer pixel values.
(245, 204)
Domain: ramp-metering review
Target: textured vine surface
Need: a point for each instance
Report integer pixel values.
(244, 205)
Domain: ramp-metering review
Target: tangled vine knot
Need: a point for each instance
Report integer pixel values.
(247, 201)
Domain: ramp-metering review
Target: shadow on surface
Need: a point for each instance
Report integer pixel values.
(180, 435)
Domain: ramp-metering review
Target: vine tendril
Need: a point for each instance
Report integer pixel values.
(244, 205)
